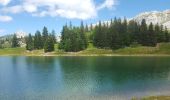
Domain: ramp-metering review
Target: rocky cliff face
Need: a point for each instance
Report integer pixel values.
(20, 34)
(155, 17)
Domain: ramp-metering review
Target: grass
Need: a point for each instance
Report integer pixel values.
(137, 50)
(160, 49)
(92, 50)
(12, 51)
(154, 98)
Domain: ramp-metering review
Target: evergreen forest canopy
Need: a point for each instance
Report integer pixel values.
(44, 40)
(113, 35)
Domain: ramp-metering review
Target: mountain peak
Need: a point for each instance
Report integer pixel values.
(20, 34)
(161, 17)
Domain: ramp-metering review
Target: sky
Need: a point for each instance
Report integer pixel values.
(31, 15)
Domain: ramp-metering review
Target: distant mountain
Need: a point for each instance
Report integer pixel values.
(5, 41)
(161, 17)
(6, 37)
(21, 34)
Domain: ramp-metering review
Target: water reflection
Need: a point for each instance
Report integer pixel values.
(46, 77)
(110, 75)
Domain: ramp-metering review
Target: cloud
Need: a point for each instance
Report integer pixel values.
(107, 4)
(4, 2)
(14, 9)
(30, 8)
(19, 9)
(74, 9)
(5, 18)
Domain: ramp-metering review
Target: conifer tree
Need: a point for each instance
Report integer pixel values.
(125, 35)
(133, 31)
(44, 35)
(49, 44)
(167, 36)
(15, 41)
(84, 42)
(64, 37)
(38, 40)
(115, 38)
(86, 29)
(53, 36)
(151, 39)
(97, 35)
(91, 27)
(143, 32)
(29, 43)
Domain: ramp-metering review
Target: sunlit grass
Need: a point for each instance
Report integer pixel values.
(12, 51)
(160, 49)
(153, 98)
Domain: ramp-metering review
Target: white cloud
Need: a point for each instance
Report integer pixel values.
(79, 9)
(30, 8)
(4, 2)
(5, 18)
(64, 8)
(107, 4)
(14, 9)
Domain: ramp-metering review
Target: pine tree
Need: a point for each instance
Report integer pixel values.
(53, 36)
(104, 33)
(167, 36)
(86, 29)
(125, 35)
(38, 40)
(97, 35)
(73, 39)
(115, 37)
(160, 33)
(132, 31)
(157, 31)
(15, 41)
(29, 43)
(91, 27)
(64, 37)
(70, 26)
(84, 42)
(143, 33)
(44, 35)
(151, 39)
(49, 44)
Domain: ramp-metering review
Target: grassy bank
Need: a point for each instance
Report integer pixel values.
(160, 49)
(154, 98)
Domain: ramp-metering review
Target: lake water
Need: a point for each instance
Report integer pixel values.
(83, 78)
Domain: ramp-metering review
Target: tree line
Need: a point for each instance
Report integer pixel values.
(115, 34)
(73, 39)
(44, 40)
(118, 34)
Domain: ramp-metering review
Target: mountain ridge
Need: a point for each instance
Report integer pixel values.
(160, 17)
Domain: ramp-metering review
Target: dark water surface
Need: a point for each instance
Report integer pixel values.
(83, 78)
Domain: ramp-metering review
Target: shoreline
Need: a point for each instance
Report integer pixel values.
(89, 55)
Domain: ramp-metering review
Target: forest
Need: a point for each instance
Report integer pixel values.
(114, 34)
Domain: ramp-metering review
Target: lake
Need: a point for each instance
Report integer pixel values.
(83, 78)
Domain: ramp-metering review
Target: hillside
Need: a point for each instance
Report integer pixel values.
(160, 49)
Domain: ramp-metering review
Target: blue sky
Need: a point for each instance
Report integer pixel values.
(32, 15)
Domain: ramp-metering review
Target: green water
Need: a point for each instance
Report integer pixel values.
(83, 78)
